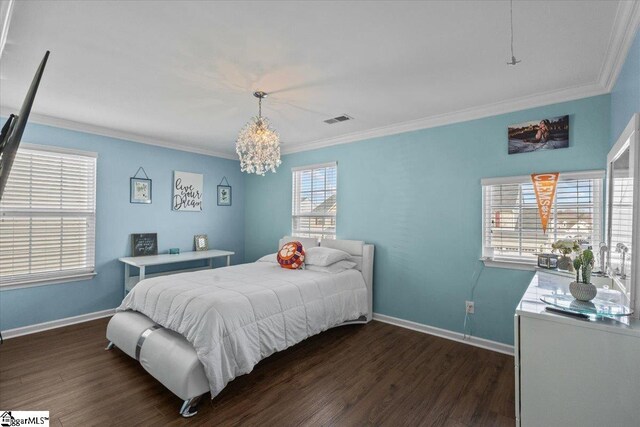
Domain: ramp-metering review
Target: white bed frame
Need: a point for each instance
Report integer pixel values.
(172, 360)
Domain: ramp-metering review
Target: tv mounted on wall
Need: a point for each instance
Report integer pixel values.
(13, 129)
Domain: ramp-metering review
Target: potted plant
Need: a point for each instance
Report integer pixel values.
(582, 289)
(565, 247)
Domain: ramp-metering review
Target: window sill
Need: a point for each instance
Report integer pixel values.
(46, 282)
(510, 265)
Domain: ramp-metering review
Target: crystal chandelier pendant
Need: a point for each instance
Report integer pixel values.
(258, 145)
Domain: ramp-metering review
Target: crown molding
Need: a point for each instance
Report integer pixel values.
(468, 114)
(42, 119)
(625, 26)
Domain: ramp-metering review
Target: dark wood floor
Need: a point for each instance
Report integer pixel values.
(375, 374)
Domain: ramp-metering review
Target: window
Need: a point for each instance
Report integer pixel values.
(511, 223)
(47, 217)
(314, 201)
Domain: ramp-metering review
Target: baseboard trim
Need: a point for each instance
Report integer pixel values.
(407, 324)
(54, 324)
(445, 333)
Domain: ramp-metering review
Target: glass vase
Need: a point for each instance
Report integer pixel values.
(565, 263)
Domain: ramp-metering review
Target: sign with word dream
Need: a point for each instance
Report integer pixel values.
(187, 191)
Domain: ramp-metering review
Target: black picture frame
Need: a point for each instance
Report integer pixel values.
(224, 199)
(143, 244)
(135, 193)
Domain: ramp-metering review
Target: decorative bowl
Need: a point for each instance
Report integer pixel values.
(583, 291)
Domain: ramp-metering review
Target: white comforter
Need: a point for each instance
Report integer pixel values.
(236, 316)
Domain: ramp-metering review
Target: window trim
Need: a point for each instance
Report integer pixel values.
(564, 176)
(517, 263)
(295, 169)
(49, 281)
(71, 275)
(316, 166)
(59, 150)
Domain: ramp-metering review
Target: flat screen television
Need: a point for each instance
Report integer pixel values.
(13, 129)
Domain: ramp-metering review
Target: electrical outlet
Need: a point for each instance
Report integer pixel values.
(469, 307)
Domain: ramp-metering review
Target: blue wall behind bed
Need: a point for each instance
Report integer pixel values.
(417, 197)
(116, 219)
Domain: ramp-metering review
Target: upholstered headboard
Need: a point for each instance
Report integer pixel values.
(361, 253)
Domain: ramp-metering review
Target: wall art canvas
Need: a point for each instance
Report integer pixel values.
(536, 135)
(144, 244)
(188, 191)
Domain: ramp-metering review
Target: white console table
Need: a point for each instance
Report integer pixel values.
(141, 262)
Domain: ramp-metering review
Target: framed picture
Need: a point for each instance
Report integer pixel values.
(201, 242)
(224, 195)
(187, 191)
(544, 134)
(140, 190)
(144, 244)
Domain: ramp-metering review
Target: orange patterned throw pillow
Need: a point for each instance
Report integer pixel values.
(291, 255)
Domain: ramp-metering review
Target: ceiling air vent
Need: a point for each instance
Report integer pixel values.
(342, 118)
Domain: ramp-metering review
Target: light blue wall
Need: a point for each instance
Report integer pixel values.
(417, 197)
(625, 96)
(116, 219)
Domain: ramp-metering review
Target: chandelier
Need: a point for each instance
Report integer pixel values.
(258, 145)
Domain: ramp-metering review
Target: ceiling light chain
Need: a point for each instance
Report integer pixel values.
(513, 57)
(258, 145)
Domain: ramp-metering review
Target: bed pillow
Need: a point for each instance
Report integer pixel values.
(335, 268)
(291, 255)
(324, 257)
(269, 258)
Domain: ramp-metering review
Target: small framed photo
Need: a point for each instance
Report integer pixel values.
(224, 195)
(140, 190)
(201, 242)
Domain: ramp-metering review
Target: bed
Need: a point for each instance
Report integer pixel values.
(194, 332)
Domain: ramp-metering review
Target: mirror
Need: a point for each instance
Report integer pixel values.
(621, 219)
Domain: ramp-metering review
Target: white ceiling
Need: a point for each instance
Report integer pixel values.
(181, 73)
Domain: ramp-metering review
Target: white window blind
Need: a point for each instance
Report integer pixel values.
(314, 201)
(511, 222)
(47, 217)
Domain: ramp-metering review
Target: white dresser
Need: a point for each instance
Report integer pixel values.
(574, 372)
